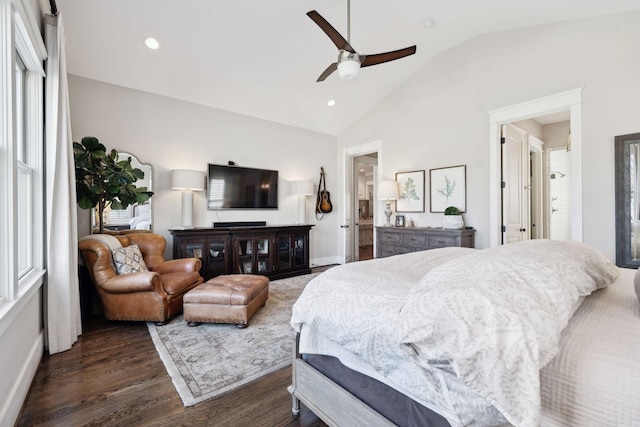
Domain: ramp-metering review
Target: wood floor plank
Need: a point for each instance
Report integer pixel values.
(113, 376)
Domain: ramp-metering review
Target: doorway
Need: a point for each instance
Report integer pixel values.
(365, 170)
(536, 178)
(351, 199)
(570, 101)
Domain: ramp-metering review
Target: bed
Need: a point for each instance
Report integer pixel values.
(528, 334)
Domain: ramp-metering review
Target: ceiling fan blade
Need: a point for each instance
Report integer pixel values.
(379, 58)
(336, 38)
(326, 73)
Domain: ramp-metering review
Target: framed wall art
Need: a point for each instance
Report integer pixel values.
(448, 187)
(410, 191)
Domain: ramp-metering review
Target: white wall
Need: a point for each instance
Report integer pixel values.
(555, 135)
(172, 134)
(440, 116)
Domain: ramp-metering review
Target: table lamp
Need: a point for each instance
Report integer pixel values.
(188, 181)
(388, 190)
(302, 189)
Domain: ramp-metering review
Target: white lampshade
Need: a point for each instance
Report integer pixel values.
(301, 188)
(185, 179)
(348, 70)
(388, 190)
(188, 181)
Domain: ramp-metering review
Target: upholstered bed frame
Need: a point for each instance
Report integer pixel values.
(332, 403)
(341, 396)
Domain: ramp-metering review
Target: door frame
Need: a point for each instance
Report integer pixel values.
(348, 156)
(570, 100)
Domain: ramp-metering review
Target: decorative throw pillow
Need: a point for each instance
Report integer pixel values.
(129, 260)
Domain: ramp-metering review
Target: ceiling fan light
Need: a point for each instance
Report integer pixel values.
(348, 70)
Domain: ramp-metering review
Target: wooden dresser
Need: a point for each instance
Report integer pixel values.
(402, 240)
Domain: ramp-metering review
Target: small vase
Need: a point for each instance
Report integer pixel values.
(453, 222)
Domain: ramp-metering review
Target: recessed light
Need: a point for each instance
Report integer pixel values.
(331, 102)
(151, 43)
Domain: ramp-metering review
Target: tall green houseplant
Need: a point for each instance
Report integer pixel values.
(103, 180)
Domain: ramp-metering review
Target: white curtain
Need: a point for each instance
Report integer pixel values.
(63, 322)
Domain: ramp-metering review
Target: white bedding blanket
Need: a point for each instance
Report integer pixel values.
(351, 312)
(495, 317)
(594, 380)
(370, 308)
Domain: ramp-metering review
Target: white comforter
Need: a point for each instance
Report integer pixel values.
(594, 380)
(492, 318)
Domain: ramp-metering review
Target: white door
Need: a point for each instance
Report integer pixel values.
(348, 202)
(515, 204)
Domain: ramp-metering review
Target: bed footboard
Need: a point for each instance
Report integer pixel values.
(330, 402)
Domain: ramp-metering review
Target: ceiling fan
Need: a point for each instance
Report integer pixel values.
(350, 61)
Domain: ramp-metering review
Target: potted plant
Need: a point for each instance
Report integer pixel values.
(452, 219)
(102, 180)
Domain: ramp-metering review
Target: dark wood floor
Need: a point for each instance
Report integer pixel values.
(365, 252)
(113, 376)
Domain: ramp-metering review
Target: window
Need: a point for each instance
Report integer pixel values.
(21, 152)
(25, 173)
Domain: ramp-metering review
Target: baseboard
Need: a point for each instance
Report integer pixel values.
(321, 262)
(10, 412)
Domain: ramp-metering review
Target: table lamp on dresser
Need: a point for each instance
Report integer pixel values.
(388, 191)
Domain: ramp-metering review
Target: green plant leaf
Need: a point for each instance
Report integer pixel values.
(103, 181)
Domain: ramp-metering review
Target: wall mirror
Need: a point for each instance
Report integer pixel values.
(627, 179)
(136, 217)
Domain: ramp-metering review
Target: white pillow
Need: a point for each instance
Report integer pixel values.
(129, 260)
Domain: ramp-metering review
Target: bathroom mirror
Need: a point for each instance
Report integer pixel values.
(627, 185)
(135, 217)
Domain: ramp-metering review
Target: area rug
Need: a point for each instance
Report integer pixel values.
(211, 359)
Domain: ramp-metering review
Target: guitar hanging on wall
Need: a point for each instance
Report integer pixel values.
(323, 204)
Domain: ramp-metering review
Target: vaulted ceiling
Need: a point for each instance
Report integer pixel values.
(262, 58)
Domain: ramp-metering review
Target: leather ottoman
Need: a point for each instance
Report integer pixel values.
(230, 298)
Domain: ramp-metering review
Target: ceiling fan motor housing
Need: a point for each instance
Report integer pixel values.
(348, 65)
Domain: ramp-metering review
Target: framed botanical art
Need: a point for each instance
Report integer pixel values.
(410, 191)
(448, 187)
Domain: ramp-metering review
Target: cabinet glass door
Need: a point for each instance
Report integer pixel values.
(217, 264)
(245, 250)
(284, 253)
(263, 259)
(299, 248)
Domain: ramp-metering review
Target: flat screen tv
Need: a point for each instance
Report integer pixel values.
(235, 187)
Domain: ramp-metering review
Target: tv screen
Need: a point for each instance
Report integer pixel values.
(235, 187)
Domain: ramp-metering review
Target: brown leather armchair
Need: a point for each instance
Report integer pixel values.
(155, 295)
